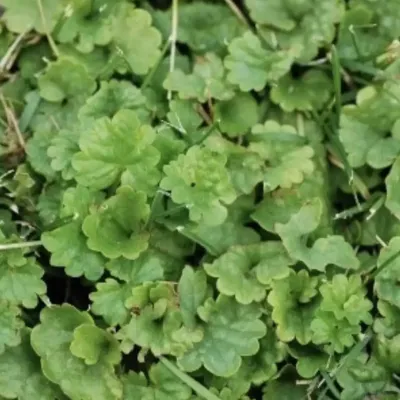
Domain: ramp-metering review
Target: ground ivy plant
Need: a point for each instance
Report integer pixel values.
(199, 199)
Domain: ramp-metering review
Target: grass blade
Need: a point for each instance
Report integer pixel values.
(196, 386)
(21, 245)
(29, 110)
(337, 82)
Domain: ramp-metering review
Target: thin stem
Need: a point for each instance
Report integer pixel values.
(194, 238)
(384, 265)
(29, 111)
(169, 212)
(52, 43)
(188, 380)
(236, 10)
(22, 245)
(150, 75)
(353, 353)
(4, 61)
(209, 131)
(156, 200)
(376, 207)
(173, 38)
(204, 115)
(336, 68)
(352, 211)
(13, 121)
(331, 385)
(314, 63)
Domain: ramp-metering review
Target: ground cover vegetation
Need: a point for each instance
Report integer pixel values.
(199, 199)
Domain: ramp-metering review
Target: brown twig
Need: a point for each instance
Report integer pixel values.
(12, 121)
(204, 115)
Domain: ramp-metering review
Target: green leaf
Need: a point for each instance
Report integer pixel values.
(393, 194)
(22, 186)
(299, 26)
(161, 385)
(51, 340)
(361, 377)
(237, 115)
(10, 326)
(251, 66)
(20, 278)
(279, 205)
(50, 117)
(109, 301)
(134, 36)
(231, 331)
(65, 78)
(26, 15)
(289, 162)
(184, 117)
(155, 322)
(168, 145)
(335, 334)
(38, 158)
(293, 306)
(330, 250)
(87, 26)
(284, 390)
(389, 325)
(95, 345)
(67, 243)
(345, 298)
(200, 180)
(246, 168)
(256, 370)
(21, 376)
(310, 360)
(149, 266)
(117, 230)
(310, 92)
(61, 150)
(387, 352)
(204, 27)
(365, 144)
(355, 39)
(68, 247)
(192, 292)
(218, 239)
(386, 17)
(116, 146)
(263, 366)
(113, 96)
(206, 81)
(244, 271)
(377, 107)
(386, 282)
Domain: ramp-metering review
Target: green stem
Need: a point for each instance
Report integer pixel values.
(370, 204)
(236, 10)
(331, 385)
(52, 43)
(150, 75)
(188, 380)
(10, 51)
(22, 245)
(384, 265)
(173, 38)
(353, 353)
(337, 80)
(209, 131)
(29, 111)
